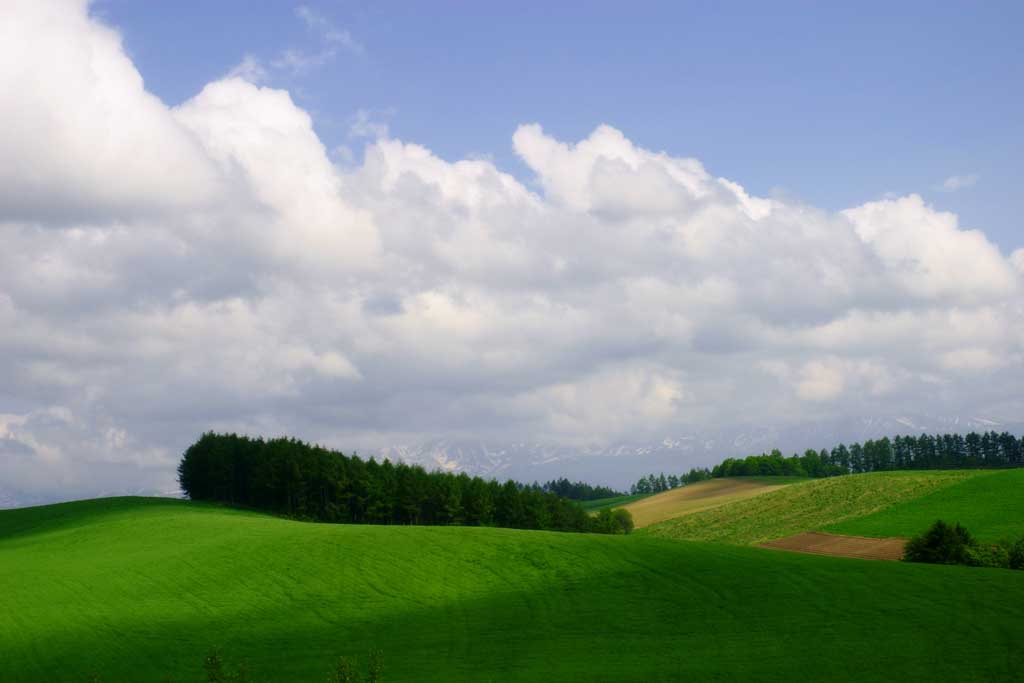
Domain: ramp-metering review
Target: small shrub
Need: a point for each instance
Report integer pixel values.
(941, 544)
(345, 671)
(376, 667)
(1016, 554)
(214, 667)
(624, 519)
(988, 556)
(607, 521)
(216, 671)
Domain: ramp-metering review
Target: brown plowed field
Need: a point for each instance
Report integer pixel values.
(841, 546)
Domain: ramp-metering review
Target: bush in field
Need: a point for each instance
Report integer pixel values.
(347, 670)
(375, 670)
(1016, 554)
(216, 670)
(214, 667)
(623, 519)
(953, 544)
(983, 555)
(607, 521)
(941, 544)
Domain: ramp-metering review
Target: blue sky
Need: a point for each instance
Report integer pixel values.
(830, 103)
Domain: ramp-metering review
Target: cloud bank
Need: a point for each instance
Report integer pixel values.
(168, 270)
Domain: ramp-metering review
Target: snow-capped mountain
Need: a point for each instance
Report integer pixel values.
(619, 464)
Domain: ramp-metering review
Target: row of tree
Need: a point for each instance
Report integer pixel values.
(925, 452)
(656, 483)
(810, 464)
(289, 477)
(578, 490)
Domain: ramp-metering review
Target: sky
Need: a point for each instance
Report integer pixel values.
(889, 97)
(371, 223)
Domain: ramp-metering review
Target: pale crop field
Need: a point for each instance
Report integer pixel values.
(812, 505)
(703, 495)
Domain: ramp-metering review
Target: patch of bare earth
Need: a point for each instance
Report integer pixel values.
(862, 547)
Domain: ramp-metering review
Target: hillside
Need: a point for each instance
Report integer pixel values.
(990, 504)
(701, 496)
(140, 589)
(613, 502)
(814, 505)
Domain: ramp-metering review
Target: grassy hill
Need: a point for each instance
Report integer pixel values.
(701, 496)
(989, 503)
(613, 502)
(876, 504)
(140, 589)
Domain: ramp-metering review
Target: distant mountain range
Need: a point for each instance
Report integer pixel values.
(620, 464)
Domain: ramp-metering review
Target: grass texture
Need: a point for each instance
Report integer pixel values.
(613, 502)
(703, 495)
(140, 589)
(812, 505)
(990, 504)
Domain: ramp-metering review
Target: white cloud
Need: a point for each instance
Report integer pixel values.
(329, 38)
(327, 31)
(249, 69)
(973, 359)
(75, 117)
(368, 124)
(171, 270)
(929, 254)
(959, 182)
(821, 381)
(1017, 259)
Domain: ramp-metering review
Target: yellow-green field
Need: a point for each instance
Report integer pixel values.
(814, 505)
(701, 496)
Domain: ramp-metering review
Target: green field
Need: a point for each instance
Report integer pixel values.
(990, 504)
(140, 589)
(817, 504)
(613, 502)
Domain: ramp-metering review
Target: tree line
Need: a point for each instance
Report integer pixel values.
(309, 482)
(578, 490)
(924, 452)
(657, 483)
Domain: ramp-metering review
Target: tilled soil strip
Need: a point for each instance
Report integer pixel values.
(862, 547)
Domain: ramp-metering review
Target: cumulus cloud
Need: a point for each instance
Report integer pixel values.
(168, 270)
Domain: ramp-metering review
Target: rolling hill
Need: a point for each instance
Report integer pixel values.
(141, 589)
(878, 504)
(990, 504)
(703, 495)
(613, 502)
